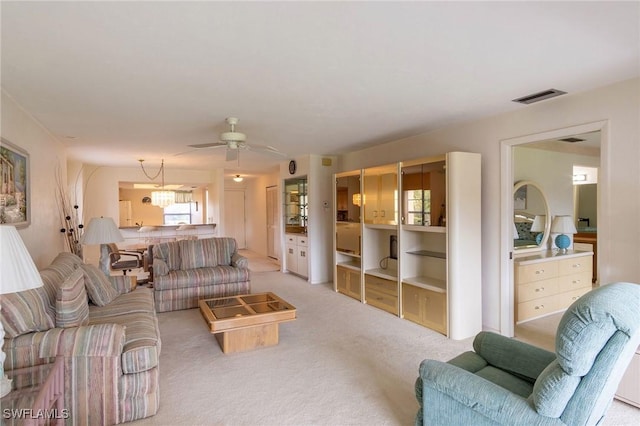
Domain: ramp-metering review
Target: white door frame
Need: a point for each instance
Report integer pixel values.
(272, 189)
(507, 293)
(240, 244)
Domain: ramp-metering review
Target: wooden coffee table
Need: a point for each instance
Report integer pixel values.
(247, 321)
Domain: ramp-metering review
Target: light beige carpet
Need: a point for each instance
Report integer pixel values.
(258, 263)
(340, 363)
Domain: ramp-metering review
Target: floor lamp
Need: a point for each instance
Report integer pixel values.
(17, 273)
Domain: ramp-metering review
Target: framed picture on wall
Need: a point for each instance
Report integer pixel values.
(15, 205)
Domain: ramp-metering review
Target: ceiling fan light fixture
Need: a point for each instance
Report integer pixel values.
(238, 178)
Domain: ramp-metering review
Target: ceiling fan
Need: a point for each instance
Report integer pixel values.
(235, 141)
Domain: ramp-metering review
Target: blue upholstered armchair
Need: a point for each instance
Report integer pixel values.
(509, 382)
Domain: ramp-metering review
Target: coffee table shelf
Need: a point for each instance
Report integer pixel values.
(247, 321)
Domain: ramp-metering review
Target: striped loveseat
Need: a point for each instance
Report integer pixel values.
(189, 270)
(111, 349)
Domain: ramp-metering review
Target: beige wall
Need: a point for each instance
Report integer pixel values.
(618, 227)
(47, 159)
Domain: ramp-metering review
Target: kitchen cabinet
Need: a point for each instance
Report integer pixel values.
(297, 259)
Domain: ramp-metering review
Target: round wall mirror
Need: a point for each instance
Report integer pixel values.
(531, 217)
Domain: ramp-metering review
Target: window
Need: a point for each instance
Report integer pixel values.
(418, 206)
(178, 213)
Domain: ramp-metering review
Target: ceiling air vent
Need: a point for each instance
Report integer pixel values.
(571, 140)
(540, 96)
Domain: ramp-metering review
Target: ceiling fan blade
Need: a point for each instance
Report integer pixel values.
(232, 154)
(208, 145)
(264, 149)
(184, 152)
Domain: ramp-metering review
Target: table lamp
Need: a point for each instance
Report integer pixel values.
(102, 230)
(17, 273)
(563, 224)
(538, 225)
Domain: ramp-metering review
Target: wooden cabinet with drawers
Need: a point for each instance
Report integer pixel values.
(425, 307)
(348, 281)
(549, 281)
(381, 293)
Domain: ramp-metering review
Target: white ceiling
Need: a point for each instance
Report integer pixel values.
(118, 81)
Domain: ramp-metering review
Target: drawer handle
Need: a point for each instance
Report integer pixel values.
(302, 254)
(576, 281)
(539, 307)
(539, 289)
(575, 298)
(540, 271)
(290, 251)
(576, 265)
(378, 298)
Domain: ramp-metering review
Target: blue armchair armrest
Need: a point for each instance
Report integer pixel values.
(511, 355)
(453, 392)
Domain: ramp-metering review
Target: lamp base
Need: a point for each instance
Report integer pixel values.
(5, 386)
(563, 242)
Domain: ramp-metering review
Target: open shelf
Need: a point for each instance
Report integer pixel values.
(429, 283)
(380, 226)
(428, 253)
(387, 274)
(350, 265)
(421, 228)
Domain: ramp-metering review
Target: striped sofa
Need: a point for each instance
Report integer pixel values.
(189, 270)
(111, 352)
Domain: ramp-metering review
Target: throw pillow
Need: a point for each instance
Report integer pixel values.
(99, 289)
(25, 312)
(169, 253)
(72, 306)
(197, 254)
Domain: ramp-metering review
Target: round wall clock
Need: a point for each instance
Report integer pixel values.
(292, 167)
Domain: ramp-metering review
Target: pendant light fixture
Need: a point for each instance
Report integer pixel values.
(160, 198)
(238, 178)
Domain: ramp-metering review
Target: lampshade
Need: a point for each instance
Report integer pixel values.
(563, 224)
(515, 232)
(101, 230)
(185, 227)
(163, 199)
(539, 223)
(238, 178)
(17, 270)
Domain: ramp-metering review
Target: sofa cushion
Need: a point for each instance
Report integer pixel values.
(142, 340)
(100, 290)
(168, 252)
(72, 305)
(201, 277)
(139, 300)
(225, 248)
(197, 253)
(25, 311)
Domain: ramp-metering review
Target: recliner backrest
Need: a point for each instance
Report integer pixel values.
(595, 341)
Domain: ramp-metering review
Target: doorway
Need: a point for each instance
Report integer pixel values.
(508, 177)
(234, 217)
(272, 221)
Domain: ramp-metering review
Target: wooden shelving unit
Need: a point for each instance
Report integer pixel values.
(419, 245)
